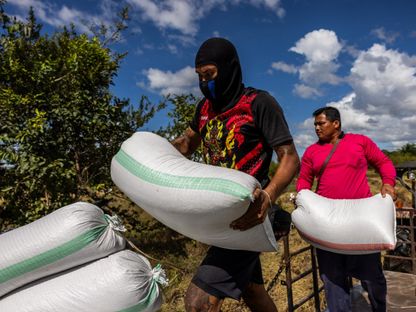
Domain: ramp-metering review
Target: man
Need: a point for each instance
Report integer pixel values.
(239, 128)
(344, 177)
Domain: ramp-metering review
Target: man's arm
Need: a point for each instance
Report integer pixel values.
(306, 175)
(288, 167)
(187, 143)
(383, 165)
(257, 211)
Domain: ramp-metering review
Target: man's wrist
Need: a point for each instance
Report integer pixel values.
(271, 194)
(268, 197)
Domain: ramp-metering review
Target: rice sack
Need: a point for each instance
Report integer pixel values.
(70, 236)
(197, 200)
(347, 226)
(123, 281)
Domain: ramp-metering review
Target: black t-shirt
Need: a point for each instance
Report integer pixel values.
(269, 125)
(268, 117)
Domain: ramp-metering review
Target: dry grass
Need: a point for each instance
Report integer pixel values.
(270, 262)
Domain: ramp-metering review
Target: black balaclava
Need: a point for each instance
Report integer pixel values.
(226, 88)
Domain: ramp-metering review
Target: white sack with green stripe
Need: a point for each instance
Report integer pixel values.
(123, 282)
(197, 200)
(70, 236)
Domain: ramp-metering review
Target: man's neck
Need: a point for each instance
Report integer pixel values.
(335, 137)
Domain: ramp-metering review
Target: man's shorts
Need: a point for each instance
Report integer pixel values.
(226, 273)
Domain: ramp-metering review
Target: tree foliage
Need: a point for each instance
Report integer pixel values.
(181, 114)
(406, 153)
(59, 123)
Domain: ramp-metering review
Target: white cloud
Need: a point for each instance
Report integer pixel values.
(142, 48)
(135, 30)
(172, 48)
(352, 50)
(384, 81)
(51, 14)
(41, 8)
(315, 74)
(175, 14)
(303, 140)
(386, 129)
(183, 81)
(182, 39)
(274, 5)
(382, 104)
(284, 67)
(352, 118)
(138, 51)
(184, 15)
(306, 92)
(318, 46)
(386, 36)
(181, 16)
(321, 49)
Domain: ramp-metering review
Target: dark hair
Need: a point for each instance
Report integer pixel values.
(330, 112)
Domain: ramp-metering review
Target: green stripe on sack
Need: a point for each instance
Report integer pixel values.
(195, 183)
(146, 301)
(51, 255)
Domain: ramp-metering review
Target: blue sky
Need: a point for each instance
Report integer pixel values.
(359, 56)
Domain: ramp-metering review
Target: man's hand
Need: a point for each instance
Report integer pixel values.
(388, 189)
(256, 212)
(187, 143)
(288, 166)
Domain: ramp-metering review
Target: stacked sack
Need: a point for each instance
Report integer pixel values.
(197, 200)
(73, 260)
(346, 226)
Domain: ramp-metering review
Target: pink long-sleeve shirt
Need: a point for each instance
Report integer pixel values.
(345, 176)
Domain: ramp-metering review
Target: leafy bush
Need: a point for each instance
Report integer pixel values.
(60, 124)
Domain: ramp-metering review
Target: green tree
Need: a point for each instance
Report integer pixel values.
(181, 114)
(59, 123)
(406, 153)
(409, 148)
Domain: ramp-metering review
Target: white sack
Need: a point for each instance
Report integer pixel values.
(197, 200)
(70, 236)
(124, 281)
(347, 226)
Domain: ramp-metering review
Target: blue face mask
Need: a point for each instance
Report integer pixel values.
(208, 89)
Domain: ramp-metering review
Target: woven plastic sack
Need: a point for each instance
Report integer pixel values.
(123, 282)
(197, 200)
(347, 226)
(70, 236)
